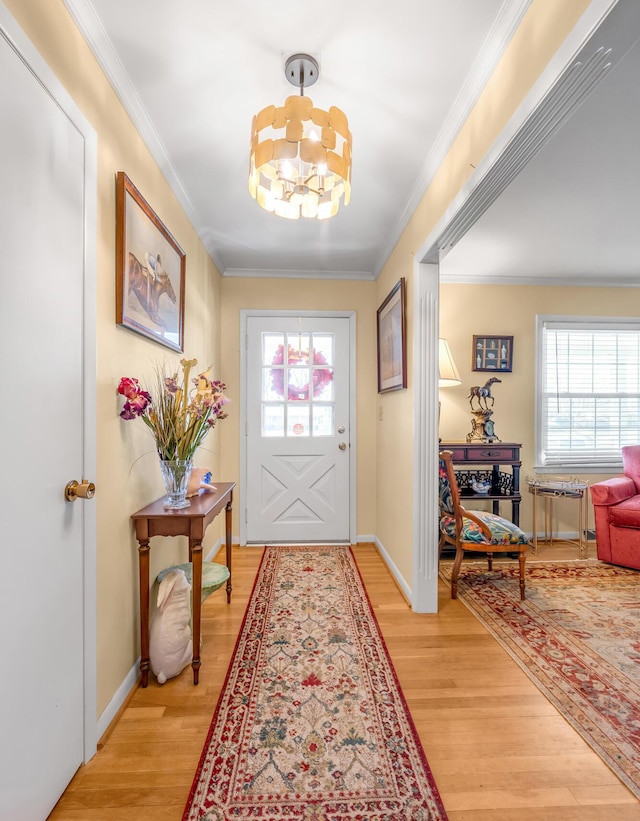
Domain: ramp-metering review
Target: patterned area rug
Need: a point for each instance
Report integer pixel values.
(577, 636)
(311, 723)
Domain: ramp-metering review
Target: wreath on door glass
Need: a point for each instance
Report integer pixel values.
(321, 376)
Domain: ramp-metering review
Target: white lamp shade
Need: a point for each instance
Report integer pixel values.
(448, 375)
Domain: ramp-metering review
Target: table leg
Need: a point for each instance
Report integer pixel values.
(227, 521)
(535, 523)
(143, 563)
(195, 549)
(515, 507)
(548, 520)
(582, 530)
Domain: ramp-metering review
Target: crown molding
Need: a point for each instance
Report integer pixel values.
(547, 281)
(273, 273)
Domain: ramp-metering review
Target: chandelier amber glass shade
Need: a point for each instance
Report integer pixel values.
(300, 161)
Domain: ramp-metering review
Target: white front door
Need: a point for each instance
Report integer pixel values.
(42, 617)
(298, 429)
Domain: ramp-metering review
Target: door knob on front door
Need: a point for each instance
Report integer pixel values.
(342, 446)
(82, 490)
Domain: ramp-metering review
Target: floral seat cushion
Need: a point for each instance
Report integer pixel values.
(502, 530)
(444, 491)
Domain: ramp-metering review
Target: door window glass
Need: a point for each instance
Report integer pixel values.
(298, 419)
(272, 420)
(322, 420)
(297, 384)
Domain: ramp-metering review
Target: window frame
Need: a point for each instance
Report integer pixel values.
(577, 323)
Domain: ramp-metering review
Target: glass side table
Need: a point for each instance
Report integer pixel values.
(550, 488)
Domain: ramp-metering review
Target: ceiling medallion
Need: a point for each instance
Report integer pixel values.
(300, 162)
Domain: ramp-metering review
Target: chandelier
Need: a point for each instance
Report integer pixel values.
(300, 163)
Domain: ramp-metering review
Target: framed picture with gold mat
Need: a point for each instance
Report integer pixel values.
(392, 341)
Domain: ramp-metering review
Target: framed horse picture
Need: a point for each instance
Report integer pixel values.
(150, 270)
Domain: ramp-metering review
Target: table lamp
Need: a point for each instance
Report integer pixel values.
(448, 375)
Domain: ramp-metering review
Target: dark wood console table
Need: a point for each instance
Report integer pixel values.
(483, 461)
(192, 522)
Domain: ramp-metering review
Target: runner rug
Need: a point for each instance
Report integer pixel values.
(577, 636)
(311, 723)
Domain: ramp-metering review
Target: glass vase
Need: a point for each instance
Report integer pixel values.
(175, 475)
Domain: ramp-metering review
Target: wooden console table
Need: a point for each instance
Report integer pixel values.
(192, 522)
(483, 461)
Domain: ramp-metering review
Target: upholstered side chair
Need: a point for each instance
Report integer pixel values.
(475, 531)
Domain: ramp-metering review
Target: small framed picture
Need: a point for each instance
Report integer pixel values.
(392, 340)
(492, 353)
(150, 270)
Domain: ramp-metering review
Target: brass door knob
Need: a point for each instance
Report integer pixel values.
(82, 490)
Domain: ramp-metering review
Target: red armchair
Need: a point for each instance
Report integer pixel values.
(616, 504)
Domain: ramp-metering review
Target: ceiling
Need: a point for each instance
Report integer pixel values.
(193, 74)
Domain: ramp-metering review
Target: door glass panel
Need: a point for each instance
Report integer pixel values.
(273, 420)
(299, 383)
(272, 379)
(322, 420)
(323, 347)
(323, 384)
(298, 420)
(272, 345)
(298, 349)
(323, 355)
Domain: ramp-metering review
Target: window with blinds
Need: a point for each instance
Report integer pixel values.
(588, 391)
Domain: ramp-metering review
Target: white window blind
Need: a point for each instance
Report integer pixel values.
(588, 390)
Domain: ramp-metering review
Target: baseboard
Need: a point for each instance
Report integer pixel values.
(398, 578)
(566, 535)
(120, 699)
(217, 547)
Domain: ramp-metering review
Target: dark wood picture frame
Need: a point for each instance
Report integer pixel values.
(392, 340)
(150, 270)
(492, 353)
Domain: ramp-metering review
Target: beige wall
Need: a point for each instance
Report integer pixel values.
(127, 475)
(466, 310)
(543, 29)
(307, 295)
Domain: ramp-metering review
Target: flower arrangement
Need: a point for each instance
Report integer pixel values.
(178, 414)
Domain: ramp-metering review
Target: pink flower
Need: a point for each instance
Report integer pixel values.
(139, 402)
(128, 387)
(128, 412)
(137, 399)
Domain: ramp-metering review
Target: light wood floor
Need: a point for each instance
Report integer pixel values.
(498, 749)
